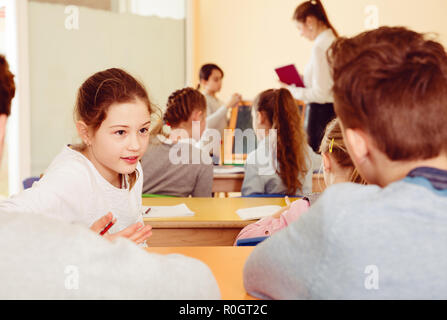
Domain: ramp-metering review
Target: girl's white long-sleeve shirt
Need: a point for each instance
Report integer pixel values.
(74, 191)
(317, 74)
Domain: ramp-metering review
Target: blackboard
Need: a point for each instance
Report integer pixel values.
(242, 120)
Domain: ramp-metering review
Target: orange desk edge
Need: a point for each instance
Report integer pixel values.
(226, 263)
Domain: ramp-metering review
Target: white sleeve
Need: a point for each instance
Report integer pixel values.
(252, 184)
(57, 256)
(59, 194)
(321, 89)
(215, 120)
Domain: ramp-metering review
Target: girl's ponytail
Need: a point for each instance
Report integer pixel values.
(282, 111)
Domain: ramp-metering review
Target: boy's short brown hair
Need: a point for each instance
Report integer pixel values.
(392, 83)
(7, 87)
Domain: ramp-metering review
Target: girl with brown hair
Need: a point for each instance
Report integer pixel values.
(174, 165)
(281, 162)
(103, 173)
(314, 25)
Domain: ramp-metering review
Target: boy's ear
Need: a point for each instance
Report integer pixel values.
(83, 132)
(357, 144)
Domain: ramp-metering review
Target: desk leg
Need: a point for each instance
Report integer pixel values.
(197, 237)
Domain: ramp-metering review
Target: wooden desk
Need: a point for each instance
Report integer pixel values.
(226, 263)
(233, 182)
(228, 182)
(214, 224)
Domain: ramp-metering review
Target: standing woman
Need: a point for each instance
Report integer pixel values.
(314, 25)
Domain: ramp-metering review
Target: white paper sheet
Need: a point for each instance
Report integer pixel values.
(257, 212)
(180, 210)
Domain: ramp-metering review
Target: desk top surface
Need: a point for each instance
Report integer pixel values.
(226, 263)
(212, 210)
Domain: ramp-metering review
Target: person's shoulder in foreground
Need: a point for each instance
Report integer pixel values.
(56, 260)
(357, 242)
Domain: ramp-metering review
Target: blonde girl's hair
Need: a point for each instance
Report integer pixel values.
(334, 144)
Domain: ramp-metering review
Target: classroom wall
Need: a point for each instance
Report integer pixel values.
(250, 38)
(151, 48)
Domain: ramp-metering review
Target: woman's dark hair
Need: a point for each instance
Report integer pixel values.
(315, 9)
(206, 70)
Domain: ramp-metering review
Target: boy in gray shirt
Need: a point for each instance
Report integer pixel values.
(387, 240)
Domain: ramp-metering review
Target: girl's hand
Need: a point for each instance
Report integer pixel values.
(279, 212)
(283, 209)
(136, 232)
(236, 98)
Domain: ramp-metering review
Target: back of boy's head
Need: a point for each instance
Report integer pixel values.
(7, 87)
(334, 144)
(181, 104)
(103, 89)
(392, 84)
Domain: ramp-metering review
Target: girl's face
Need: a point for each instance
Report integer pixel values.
(260, 123)
(214, 82)
(307, 29)
(121, 140)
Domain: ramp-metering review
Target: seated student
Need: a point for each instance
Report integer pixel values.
(173, 165)
(103, 174)
(42, 258)
(210, 84)
(281, 162)
(386, 240)
(338, 168)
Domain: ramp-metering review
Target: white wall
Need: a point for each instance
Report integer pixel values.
(150, 48)
(249, 38)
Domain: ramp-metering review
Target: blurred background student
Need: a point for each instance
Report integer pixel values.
(217, 111)
(281, 163)
(173, 164)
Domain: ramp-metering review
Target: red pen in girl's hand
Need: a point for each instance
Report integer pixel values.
(111, 223)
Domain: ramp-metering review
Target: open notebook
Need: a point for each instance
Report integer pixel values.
(180, 210)
(257, 212)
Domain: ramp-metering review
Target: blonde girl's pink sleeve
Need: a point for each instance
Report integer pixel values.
(297, 208)
(268, 225)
